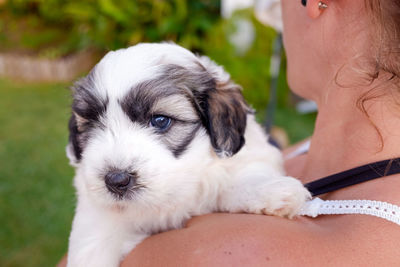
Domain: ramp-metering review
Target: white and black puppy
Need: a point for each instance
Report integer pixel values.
(158, 135)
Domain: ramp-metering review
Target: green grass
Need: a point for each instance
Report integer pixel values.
(36, 194)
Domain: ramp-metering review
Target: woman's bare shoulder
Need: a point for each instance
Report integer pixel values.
(211, 240)
(238, 239)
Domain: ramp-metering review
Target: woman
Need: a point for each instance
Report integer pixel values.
(345, 56)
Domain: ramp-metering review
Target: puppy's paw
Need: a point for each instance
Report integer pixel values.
(264, 193)
(283, 197)
(289, 203)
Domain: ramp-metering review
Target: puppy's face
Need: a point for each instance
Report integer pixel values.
(146, 122)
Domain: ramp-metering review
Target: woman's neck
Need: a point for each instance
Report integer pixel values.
(346, 137)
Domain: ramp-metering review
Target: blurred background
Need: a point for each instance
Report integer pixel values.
(46, 44)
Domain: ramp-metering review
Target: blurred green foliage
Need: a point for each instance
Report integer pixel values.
(59, 27)
(54, 28)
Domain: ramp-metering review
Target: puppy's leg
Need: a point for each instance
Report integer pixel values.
(99, 238)
(257, 188)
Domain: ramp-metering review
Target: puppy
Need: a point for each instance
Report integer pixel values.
(158, 135)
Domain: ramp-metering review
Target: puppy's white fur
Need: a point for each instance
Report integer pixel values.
(199, 181)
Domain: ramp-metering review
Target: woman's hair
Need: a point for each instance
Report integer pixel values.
(385, 19)
(385, 36)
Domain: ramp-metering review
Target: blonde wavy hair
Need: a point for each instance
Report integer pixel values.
(385, 19)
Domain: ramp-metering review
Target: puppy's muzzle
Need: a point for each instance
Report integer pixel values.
(118, 182)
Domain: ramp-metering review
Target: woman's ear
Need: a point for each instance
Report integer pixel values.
(316, 7)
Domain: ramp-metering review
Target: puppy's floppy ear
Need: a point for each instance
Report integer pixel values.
(87, 108)
(224, 111)
(76, 126)
(76, 122)
(73, 150)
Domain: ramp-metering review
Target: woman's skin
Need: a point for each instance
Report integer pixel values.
(320, 45)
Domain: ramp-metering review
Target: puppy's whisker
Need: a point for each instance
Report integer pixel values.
(96, 188)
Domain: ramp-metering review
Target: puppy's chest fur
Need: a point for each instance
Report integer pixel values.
(158, 135)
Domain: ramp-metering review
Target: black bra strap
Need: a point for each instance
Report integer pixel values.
(354, 176)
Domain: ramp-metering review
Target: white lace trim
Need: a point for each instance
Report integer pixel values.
(380, 209)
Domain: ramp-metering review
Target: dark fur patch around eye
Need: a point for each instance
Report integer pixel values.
(220, 106)
(87, 108)
(172, 80)
(138, 103)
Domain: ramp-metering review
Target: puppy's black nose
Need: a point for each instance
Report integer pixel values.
(118, 182)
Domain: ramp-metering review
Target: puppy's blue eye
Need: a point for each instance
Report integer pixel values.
(160, 122)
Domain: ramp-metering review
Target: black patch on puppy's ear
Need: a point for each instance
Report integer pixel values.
(226, 116)
(223, 112)
(87, 109)
(73, 139)
(86, 104)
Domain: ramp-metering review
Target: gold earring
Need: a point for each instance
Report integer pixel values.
(322, 5)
